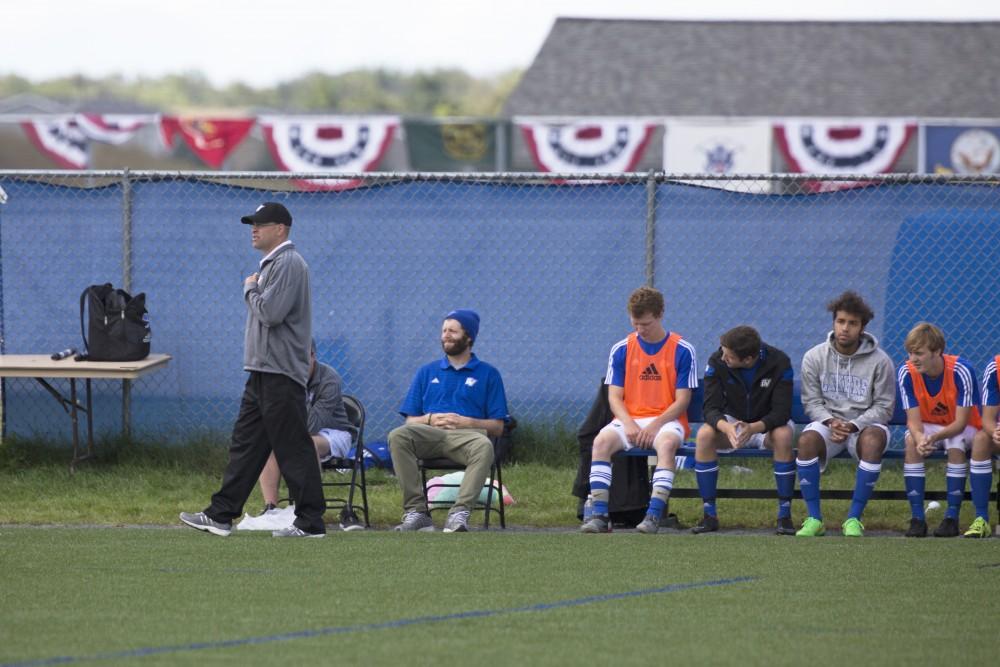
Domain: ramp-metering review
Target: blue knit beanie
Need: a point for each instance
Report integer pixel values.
(469, 319)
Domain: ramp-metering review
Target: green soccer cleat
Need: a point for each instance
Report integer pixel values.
(979, 528)
(853, 528)
(811, 528)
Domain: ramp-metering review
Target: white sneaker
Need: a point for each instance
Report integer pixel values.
(457, 522)
(273, 519)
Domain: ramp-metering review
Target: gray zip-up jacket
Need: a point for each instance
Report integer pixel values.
(859, 388)
(279, 317)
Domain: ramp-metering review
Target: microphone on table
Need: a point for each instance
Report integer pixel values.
(68, 352)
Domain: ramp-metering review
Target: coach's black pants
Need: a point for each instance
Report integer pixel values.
(272, 418)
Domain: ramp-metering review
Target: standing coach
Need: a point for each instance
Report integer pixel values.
(273, 408)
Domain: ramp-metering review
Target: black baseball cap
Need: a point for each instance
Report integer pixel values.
(269, 211)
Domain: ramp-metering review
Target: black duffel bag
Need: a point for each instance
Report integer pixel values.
(118, 324)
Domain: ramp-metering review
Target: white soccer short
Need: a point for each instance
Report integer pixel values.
(756, 440)
(674, 427)
(850, 444)
(339, 441)
(961, 441)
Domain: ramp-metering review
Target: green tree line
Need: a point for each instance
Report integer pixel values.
(442, 92)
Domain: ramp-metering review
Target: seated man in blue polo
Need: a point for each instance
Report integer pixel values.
(453, 407)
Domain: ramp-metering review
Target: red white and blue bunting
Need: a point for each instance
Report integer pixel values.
(586, 145)
(842, 147)
(61, 139)
(329, 145)
(113, 129)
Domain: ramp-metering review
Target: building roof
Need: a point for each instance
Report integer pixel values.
(763, 68)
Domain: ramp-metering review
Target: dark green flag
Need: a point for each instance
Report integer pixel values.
(463, 145)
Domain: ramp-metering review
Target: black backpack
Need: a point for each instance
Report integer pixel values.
(118, 324)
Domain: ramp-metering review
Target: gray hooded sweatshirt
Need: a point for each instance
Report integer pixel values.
(859, 388)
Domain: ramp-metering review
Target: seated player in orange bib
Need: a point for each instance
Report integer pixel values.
(940, 396)
(651, 374)
(985, 444)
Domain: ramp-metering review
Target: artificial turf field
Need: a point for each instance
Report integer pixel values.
(169, 596)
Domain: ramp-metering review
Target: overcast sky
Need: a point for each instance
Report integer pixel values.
(262, 42)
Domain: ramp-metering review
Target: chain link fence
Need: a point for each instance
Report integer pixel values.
(547, 260)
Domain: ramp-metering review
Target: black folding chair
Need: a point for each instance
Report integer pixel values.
(337, 467)
(494, 493)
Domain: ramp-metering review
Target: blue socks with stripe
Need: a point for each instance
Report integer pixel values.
(980, 481)
(809, 485)
(784, 481)
(914, 478)
(955, 484)
(864, 484)
(707, 473)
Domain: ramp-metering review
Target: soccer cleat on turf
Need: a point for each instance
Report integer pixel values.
(979, 528)
(599, 523)
(650, 525)
(918, 528)
(416, 521)
(295, 531)
(785, 526)
(671, 521)
(201, 521)
(457, 522)
(811, 527)
(947, 528)
(853, 528)
(708, 524)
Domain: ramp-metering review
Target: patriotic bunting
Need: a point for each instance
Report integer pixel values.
(110, 128)
(842, 147)
(328, 144)
(211, 139)
(60, 138)
(586, 146)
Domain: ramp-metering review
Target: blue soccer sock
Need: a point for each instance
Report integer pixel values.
(955, 483)
(600, 486)
(663, 482)
(707, 473)
(864, 484)
(784, 480)
(981, 481)
(809, 485)
(914, 477)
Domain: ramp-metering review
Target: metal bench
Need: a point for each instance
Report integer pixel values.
(799, 417)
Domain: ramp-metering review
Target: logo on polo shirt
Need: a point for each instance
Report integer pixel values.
(470, 382)
(650, 373)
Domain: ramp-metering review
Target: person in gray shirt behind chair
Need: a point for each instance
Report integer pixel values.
(272, 413)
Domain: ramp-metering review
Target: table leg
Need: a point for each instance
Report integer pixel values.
(90, 421)
(127, 409)
(76, 429)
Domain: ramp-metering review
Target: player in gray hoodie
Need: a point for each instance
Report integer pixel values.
(848, 390)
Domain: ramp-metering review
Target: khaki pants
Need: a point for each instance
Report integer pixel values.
(468, 447)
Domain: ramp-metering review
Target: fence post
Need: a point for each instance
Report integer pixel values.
(127, 286)
(651, 229)
(126, 231)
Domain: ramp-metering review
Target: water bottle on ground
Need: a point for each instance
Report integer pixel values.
(588, 508)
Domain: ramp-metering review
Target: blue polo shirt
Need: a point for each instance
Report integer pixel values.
(475, 390)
